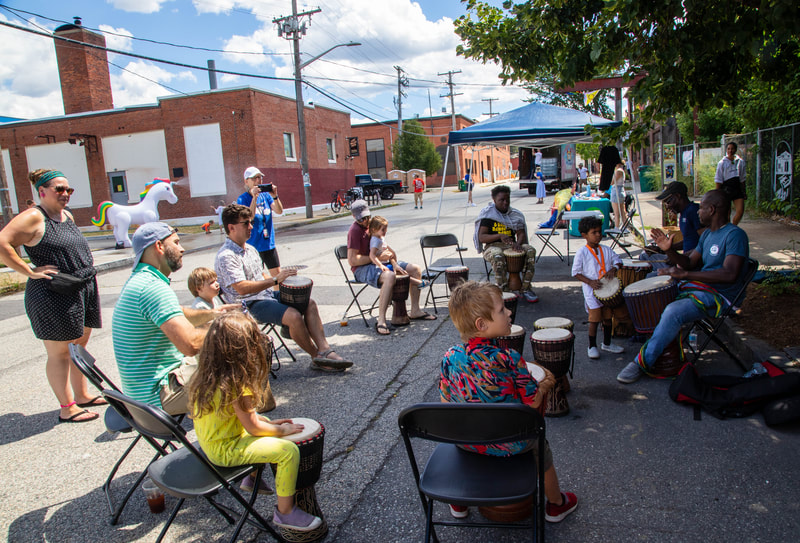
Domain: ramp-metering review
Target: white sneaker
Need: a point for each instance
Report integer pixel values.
(594, 353)
(616, 349)
(630, 373)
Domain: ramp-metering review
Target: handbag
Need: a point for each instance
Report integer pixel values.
(64, 283)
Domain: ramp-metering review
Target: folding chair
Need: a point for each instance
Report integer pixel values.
(616, 234)
(341, 256)
(433, 272)
(711, 325)
(114, 421)
(544, 235)
(269, 329)
(454, 476)
(187, 472)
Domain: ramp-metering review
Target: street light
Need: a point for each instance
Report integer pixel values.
(301, 119)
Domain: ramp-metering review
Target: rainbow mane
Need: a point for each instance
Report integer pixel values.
(149, 186)
(102, 208)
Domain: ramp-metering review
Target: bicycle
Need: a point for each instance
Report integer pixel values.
(338, 200)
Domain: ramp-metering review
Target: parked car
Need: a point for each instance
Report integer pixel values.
(387, 187)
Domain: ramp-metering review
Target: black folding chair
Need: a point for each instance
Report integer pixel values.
(115, 422)
(710, 326)
(544, 235)
(270, 330)
(187, 472)
(341, 256)
(616, 234)
(454, 476)
(434, 271)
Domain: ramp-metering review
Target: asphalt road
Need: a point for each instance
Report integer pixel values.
(642, 468)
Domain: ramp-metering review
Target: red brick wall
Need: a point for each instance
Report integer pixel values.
(83, 71)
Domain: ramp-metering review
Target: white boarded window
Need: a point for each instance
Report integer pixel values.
(206, 169)
(288, 146)
(331, 150)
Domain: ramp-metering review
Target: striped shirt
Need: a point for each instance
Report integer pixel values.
(145, 355)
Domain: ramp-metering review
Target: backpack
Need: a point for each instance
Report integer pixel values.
(730, 396)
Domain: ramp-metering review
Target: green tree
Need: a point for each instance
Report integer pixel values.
(712, 123)
(413, 149)
(690, 53)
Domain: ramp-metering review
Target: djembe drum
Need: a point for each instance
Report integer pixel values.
(399, 297)
(632, 271)
(515, 261)
(552, 349)
(556, 322)
(510, 300)
(610, 293)
(311, 442)
(514, 340)
(646, 301)
(296, 292)
(456, 275)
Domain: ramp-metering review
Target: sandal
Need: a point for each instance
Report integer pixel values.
(322, 360)
(94, 402)
(424, 317)
(74, 418)
(382, 329)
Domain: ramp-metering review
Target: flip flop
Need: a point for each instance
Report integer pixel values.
(76, 415)
(424, 317)
(380, 327)
(94, 402)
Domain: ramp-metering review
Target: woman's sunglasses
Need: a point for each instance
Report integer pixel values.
(61, 189)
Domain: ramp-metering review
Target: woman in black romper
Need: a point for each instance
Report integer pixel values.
(54, 244)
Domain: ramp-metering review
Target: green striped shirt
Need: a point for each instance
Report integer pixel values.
(145, 355)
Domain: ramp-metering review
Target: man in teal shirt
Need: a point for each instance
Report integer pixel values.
(151, 332)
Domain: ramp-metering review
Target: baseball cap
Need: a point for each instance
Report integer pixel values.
(148, 234)
(252, 171)
(676, 187)
(359, 209)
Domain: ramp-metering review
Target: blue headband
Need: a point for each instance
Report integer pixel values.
(48, 176)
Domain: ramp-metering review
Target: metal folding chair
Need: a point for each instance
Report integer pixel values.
(616, 234)
(341, 256)
(187, 472)
(434, 271)
(455, 476)
(710, 326)
(544, 235)
(270, 330)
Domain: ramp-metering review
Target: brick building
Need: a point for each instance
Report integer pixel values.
(202, 141)
(375, 151)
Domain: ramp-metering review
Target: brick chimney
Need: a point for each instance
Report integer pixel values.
(85, 81)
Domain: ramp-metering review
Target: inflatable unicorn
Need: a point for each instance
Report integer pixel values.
(121, 217)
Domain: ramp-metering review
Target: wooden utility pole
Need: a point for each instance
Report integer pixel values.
(491, 149)
(451, 95)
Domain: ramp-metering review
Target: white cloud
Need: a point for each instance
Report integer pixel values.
(138, 6)
(142, 83)
(117, 38)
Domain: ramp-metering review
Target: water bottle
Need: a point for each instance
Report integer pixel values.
(588, 190)
(757, 369)
(693, 340)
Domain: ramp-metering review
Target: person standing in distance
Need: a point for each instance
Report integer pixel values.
(262, 205)
(729, 177)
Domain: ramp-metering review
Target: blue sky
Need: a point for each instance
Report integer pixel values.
(417, 36)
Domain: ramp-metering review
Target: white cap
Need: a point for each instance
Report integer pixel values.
(252, 171)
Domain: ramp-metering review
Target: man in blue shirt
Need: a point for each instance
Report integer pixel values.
(676, 197)
(711, 275)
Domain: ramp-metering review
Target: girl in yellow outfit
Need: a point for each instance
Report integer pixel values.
(225, 391)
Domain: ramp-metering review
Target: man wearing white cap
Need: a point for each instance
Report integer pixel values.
(151, 332)
(262, 199)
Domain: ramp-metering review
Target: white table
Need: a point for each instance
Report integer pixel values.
(577, 215)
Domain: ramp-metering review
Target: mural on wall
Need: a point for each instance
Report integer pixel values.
(121, 217)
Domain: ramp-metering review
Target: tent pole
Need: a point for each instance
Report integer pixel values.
(441, 192)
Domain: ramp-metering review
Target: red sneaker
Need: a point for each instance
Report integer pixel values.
(557, 513)
(459, 511)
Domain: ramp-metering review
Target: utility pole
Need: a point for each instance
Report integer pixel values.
(5, 199)
(491, 149)
(402, 82)
(291, 28)
(451, 95)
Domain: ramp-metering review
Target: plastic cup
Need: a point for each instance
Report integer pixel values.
(155, 498)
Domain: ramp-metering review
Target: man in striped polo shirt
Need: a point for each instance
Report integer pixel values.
(151, 332)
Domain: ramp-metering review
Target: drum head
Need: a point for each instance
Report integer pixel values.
(646, 285)
(311, 429)
(297, 281)
(631, 263)
(512, 252)
(551, 334)
(610, 287)
(552, 322)
(456, 269)
(516, 330)
(537, 372)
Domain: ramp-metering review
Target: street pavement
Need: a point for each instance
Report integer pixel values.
(642, 467)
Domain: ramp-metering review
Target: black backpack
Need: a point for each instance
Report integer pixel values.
(731, 396)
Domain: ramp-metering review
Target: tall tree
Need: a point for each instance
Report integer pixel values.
(413, 149)
(692, 53)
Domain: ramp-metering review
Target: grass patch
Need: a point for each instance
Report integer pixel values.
(10, 284)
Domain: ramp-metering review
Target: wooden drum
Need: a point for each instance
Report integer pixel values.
(456, 275)
(610, 294)
(553, 322)
(311, 442)
(632, 271)
(646, 300)
(399, 297)
(510, 300)
(296, 292)
(515, 262)
(552, 349)
(515, 340)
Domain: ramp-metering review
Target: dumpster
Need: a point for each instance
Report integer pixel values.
(462, 185)
(647, 181)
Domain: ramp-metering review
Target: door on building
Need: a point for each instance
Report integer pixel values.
(119, 187)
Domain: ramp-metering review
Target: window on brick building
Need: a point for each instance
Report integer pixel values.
(288, 146)
(376, 159)
(331, 150)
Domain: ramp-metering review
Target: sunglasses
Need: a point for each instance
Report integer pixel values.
(61, 189)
